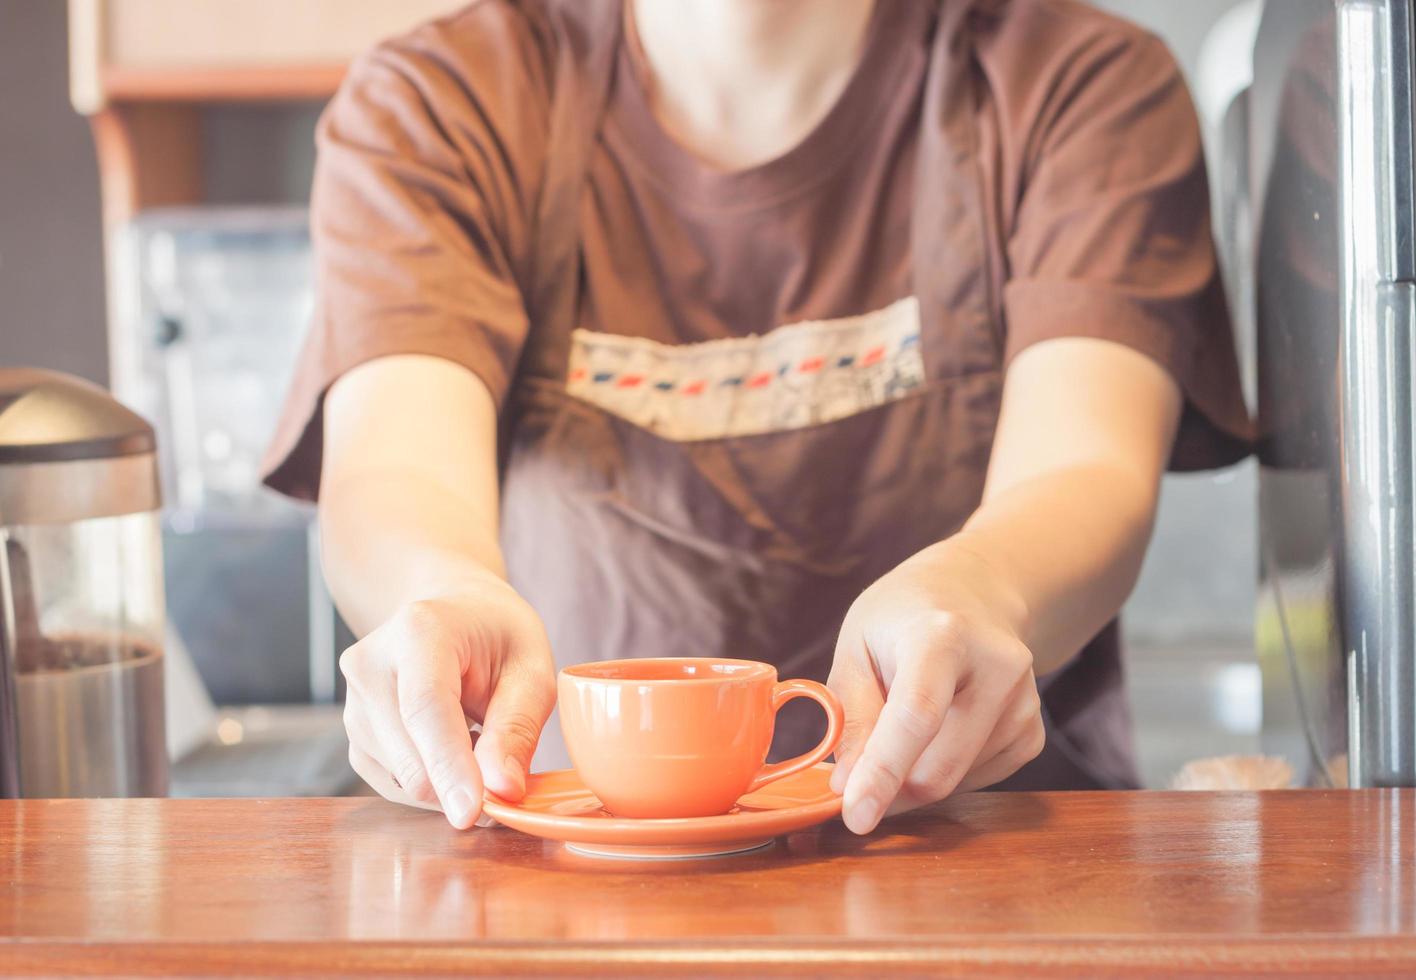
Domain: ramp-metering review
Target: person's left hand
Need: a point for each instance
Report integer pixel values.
(939, 691)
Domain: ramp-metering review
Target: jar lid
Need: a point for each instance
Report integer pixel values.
(48, 417)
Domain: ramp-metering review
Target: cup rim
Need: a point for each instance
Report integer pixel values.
(589, 671)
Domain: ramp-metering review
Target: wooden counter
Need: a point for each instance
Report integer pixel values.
(1039, 884)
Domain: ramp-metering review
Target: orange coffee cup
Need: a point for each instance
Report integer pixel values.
(684, 737)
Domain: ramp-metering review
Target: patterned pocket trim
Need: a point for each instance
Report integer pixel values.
(794, 376)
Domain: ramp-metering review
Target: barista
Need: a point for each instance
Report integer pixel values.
(851, 336)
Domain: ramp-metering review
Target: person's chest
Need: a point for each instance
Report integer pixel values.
(774, 294)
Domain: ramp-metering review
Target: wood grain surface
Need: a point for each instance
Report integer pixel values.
(1065, 884)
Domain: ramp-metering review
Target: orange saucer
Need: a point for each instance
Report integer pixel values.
(557, 806)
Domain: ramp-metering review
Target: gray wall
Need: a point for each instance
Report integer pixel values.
(51, 261)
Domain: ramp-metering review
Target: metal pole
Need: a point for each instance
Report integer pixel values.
(1376, 404)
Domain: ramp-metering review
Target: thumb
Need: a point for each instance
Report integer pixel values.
(516, 712)
(860, 695)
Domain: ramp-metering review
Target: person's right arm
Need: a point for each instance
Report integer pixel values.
(408, 519)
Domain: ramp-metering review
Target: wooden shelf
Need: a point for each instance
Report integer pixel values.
(223, 50)
(142, 71)
(273, 83)
(148, 156)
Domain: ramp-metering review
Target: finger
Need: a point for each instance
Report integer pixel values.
(429, 707)
(371, 720)
(1022, 716)
(989, 713)
(372, 772)
(987, 717)
(915, 709)
(518, 709)
(393, 748)
(853, 680)
(374, 728)
(1013, 757)
(484, 820)
(1023, 742)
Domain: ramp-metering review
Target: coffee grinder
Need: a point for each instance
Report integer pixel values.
(81, 593)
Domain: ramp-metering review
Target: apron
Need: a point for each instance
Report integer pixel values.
(754, 546)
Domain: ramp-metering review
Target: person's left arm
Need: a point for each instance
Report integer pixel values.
(937, 661)
(1114, 319)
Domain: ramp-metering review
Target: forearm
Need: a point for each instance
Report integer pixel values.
(392, 537)
(938, 660)
(408, 492)
(1056, 556)
(408, 512)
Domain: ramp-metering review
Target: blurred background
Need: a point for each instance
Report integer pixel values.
(201, 311)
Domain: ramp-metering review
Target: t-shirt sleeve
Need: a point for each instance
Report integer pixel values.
(1112, 237)
(416, 206)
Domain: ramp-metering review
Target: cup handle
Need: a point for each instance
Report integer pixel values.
(835, 722)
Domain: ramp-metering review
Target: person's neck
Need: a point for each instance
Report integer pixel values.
(738, 82)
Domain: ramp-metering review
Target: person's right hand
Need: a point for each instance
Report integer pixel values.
(417, 682)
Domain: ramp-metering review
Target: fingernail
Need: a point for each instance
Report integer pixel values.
(515, 776)
(863, 814)
(460, 806)
(503, 780)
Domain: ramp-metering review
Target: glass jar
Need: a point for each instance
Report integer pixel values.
(81, 594)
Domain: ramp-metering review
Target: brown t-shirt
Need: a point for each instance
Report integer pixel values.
(733, 400)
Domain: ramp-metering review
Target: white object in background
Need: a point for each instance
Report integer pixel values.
(1226, 63)
(191, 715)
(1224, 74)
(1235, 772)
(1239, 698)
